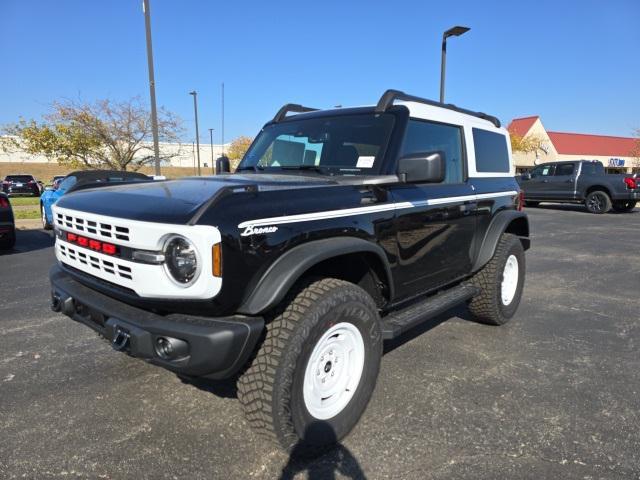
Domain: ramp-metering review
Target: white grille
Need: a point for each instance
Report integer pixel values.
(92, 262)
(104, 230)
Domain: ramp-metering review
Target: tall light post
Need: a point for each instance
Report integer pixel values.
(195, 111)
(213, 163)
(222, 132)
(452, 32)
(152, 85)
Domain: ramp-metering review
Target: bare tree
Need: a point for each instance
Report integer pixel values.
(103, 134)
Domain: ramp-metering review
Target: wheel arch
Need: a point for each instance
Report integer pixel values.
(594, 188)
(506, 221)
(341, 257)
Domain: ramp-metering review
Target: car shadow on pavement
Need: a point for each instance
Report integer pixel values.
(321, 463)
(569, 207)
(221, 388)
(29, 241)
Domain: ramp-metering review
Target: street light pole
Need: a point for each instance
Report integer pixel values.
(195, 111)
(213, 164)
(452, 32)
(152, 85)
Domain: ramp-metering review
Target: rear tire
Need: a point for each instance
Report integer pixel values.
(624, 206)
(598, 202)
(289, 393)
(8, 241)
(501, 282)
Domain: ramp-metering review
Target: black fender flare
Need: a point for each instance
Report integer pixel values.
(497, 227)
(290, 266)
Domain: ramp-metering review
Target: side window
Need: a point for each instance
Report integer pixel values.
(67, 183)
(564, 169)
(542, 171)
(423, 137)
(492, 154)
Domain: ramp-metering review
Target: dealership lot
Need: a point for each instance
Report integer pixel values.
(553, 394)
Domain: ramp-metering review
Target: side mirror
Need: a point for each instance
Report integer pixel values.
(526, 176)
(222, 165)
(426, 167)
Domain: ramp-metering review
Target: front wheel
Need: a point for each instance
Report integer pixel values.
(45, 223)
(598, 202)
(314, 374)
(501, 282)
(624, 206)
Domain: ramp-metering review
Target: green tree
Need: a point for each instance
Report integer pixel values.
(105, 134)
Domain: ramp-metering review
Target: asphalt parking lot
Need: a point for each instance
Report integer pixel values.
(553, 394)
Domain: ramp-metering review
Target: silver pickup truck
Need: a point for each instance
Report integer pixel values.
(581, 181)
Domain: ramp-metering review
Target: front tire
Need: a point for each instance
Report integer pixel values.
(316, 370)
(624, 206)
(45, 223)
(598, 202)
(501, 282)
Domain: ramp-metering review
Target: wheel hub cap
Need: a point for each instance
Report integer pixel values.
(509, 280)
(333, 371)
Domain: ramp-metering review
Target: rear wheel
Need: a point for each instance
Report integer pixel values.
(312, 378)
(500, 282)
(45, 223)
(624, 206)
(8, 241)
(598, 202)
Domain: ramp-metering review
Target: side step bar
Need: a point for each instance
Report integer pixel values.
(396, 323)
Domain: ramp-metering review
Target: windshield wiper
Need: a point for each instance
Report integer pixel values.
(315, 168)
(255, 168)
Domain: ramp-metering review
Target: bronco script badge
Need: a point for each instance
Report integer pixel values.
(251, 230)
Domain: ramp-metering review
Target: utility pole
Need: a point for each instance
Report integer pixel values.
(452, 32)
(195, 111)
(213, 163)
(152, 85)
(222, 119)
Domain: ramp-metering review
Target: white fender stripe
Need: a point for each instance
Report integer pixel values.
(347, 212)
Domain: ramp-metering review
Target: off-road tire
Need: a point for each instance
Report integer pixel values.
(529, 203)
(45, 223)
(270, 390)
(598, 202)
(8, 241)
(488, 307)
(624, 206)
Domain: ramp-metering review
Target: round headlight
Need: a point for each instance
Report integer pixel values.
(181, 260)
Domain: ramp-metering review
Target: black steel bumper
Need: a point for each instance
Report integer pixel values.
(215, 347)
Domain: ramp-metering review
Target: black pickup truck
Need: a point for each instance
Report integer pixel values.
(581, 181)
(340, 229)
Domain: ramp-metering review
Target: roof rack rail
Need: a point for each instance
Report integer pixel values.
(291, 107)
(388, 97)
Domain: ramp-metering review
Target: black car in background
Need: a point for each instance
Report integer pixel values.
(7, 223)
(22, 184)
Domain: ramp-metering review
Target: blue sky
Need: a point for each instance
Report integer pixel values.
(576, 63)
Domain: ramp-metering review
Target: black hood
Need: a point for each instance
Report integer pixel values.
(179, 201)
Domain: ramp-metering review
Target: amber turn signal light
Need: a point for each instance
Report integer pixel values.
(216, 255)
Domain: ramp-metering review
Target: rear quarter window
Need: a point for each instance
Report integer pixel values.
(492, 154)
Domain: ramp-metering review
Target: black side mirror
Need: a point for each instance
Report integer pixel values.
(222, 165)
(526, 176)
(426, 167)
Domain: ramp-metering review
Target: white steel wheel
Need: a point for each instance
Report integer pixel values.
(510, 276)
(333, 371)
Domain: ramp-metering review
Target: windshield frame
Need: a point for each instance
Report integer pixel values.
(250, 165)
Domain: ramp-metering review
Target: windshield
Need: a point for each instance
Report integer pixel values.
(341, 145)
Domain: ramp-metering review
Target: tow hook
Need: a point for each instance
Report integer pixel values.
(120, 339)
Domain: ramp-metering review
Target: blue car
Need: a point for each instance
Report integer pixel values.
(81, 180)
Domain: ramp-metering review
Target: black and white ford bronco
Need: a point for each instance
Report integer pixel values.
(339, 229)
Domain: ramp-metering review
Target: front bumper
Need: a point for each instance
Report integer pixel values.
(216, 347)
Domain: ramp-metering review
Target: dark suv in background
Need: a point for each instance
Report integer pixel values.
(21, 185)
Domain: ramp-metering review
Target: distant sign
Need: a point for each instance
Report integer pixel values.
(616, 162)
